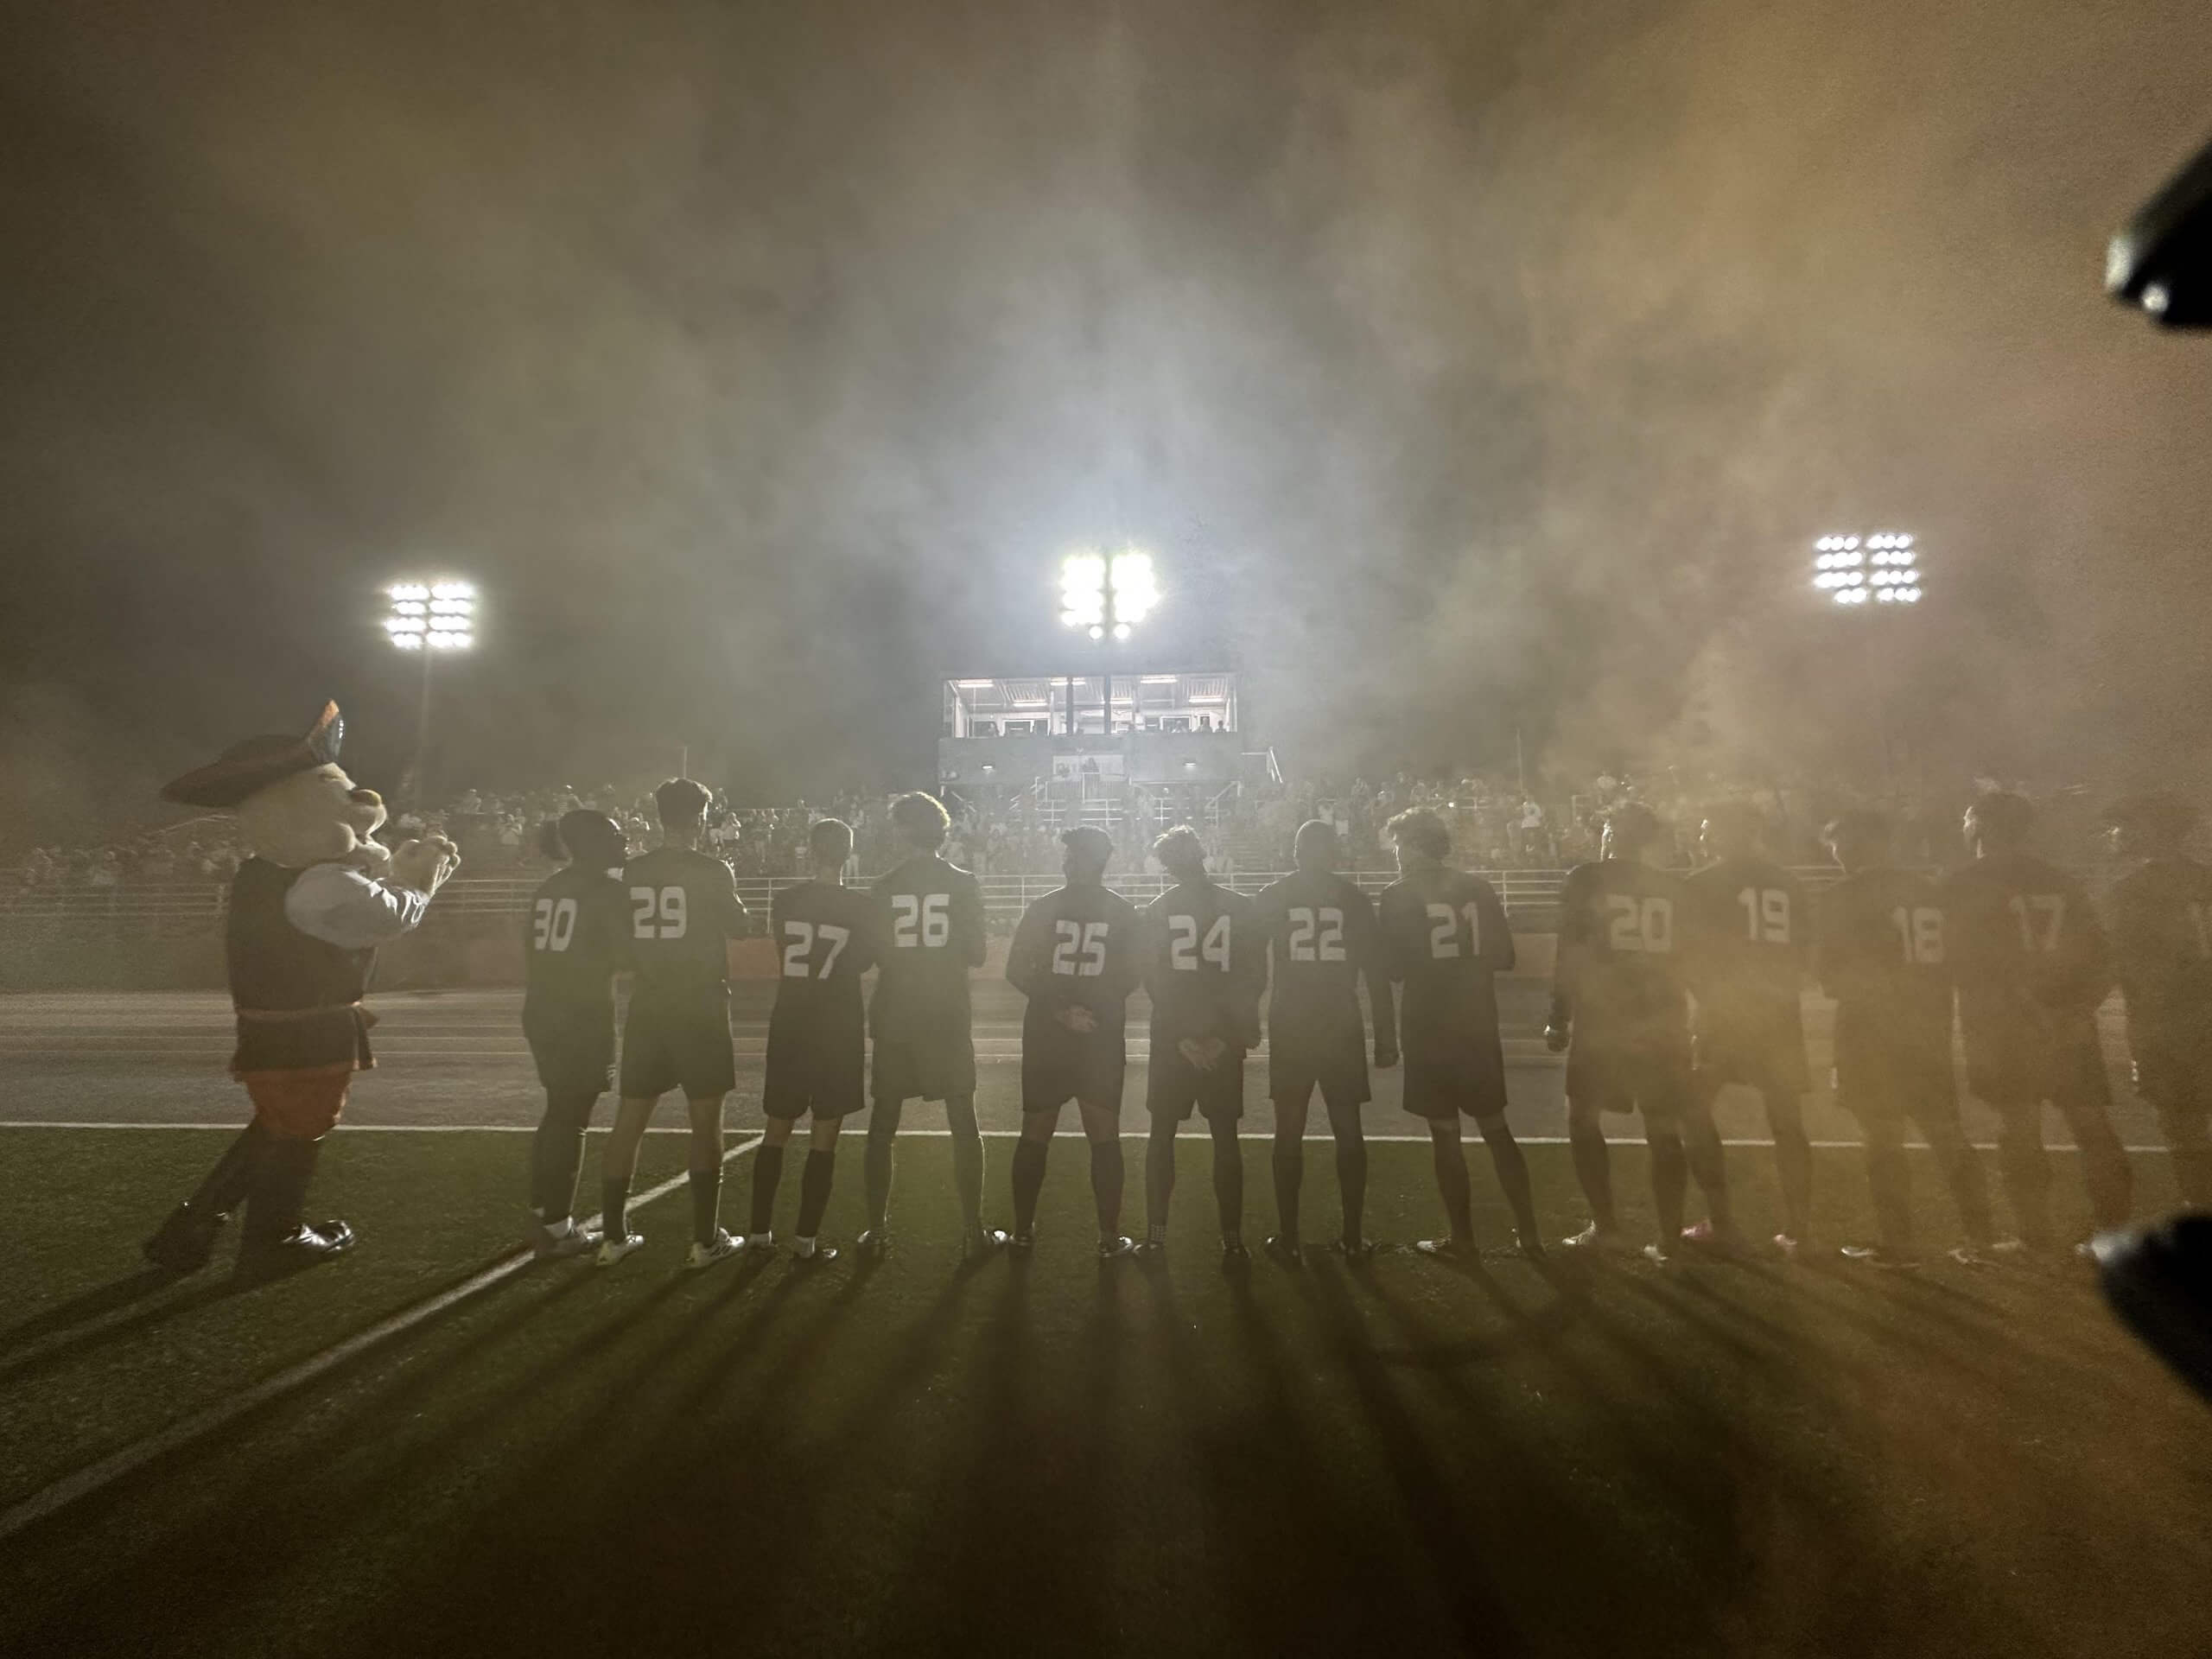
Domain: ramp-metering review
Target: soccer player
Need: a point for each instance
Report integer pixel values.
(1621, 1015)
(1879, 951)
(2031, 964)
(1447, 938)
(1322, 933)
(683, 910)
(1206, 966)
(576, 940)
(2162, 943)
(930, 926)
(817, 1034)
(1074, 956)
(1752, 936)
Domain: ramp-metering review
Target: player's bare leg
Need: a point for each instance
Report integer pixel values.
(1452, 1186)
(1228, 1186)
(967, 1166)
(767, 1176)
(709, 1244)
(1158, 1184)
(1028, 1173)
(814, 1192)
(876, 1169)
(1352, 1175)
(1593, 1168)
(618, 1162)
(1288, 1167)
(1101, 1127)
(1512, 1168)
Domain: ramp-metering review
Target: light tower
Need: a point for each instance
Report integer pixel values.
(1106, 599)
(430, 617)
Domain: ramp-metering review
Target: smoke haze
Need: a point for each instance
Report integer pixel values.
(1467, 368)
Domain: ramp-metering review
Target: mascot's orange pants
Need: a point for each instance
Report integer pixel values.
(299, 1105)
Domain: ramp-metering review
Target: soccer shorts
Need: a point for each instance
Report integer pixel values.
(939, 1067)
(1058, 1065)
(1340, 1073)
(1887, 1081)
(574, 1048)
(680, 1042)
(1651, 1075)
(1175, 1088)
(2173, 1080)
(823, 1072)
(1762, 1048)
(1466, 1076)
(2019, 1064)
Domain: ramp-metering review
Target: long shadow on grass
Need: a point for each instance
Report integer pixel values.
(90, 1305)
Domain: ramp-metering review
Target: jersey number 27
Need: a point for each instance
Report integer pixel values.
(799, 953)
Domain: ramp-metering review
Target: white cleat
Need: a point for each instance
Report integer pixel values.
(1657, 1256)
(550, 1246)
(1596, 1240)
(722, 1246)
(760, 1241)
(613, 1248)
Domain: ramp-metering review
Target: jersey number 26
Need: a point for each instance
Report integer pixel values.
(918, 921)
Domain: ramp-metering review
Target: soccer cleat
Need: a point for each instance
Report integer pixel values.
(1354, 1249)
(1657, 1256)
(1234, 1254)
(722, 1246)
(1530, 1246)
(550, 1246)
(302, 1247)
(760, 1241)
(812, 1252)
(1287, 1251)
(1969, 1256)
(615, 1246)
(2011, 1249)
(1109, 1249)
(1445, 1249)
(1788, 1245)
(874, 1244)
(1023, 1243)
(982, 1242)
(1595, 1240)
(1152, 1250)
(1717, 1241)
(1878, 1255)
(185, 1242)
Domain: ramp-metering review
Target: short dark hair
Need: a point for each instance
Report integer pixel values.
(1422, 831)
(921, 817)
(1097, 842)
(2004, 813)
(2158, 812)
(680, 800)
(1179, 848)
(830, 841)
(1633, 822)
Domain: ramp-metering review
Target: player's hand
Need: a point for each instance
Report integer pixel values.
(426, 864)
(1195, 1051)
(1556, 1038)
(1386, 1055)
(1079, 1018)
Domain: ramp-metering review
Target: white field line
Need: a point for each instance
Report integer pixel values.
(1194, 1130)
(117, 1464)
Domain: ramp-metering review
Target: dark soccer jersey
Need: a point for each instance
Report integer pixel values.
(1322, 936)
(1444, 934)
(576, 939)
(1204, 964)
(2161, 946)
(1078, 946)
(1879, 952)
(1748, 940)
(2025, 946)
(930, 935)
(1624, 931)
(684, 909)
(825, 938)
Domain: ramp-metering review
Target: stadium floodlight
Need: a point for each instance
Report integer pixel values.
(428, 618)
(1083, 593)
(1883, 568)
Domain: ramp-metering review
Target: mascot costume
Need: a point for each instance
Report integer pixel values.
(306, 913)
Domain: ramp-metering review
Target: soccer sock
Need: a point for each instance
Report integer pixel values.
(1593, 1165)
(814, 1189)
(1228, 1182)
(1505, 1157)
(1793, 1160)
(876, 1164)
(1028, 1181)
(767, 1174)
(967, 1159)
(615, 1204)
(1290, 1173)
(1106, 1184)
(1885, 1181)
(706, 1197)
(1352, 1171)
(1451, 1182)
(557, 1155)
(1669, 1182)
(1158, 1177)
(1702, 1153)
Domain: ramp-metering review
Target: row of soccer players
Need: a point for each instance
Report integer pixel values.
(2016, 937)
(1201, 950)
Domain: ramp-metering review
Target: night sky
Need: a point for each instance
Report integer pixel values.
(1465, 366)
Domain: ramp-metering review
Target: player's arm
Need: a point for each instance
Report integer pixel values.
(865, 949)
(967, 930)
(1124, 939)
(1375, 969)
(1026, 967)
(1248, 974)
(1498, 950)
(732, 910)
(1574, 923)
(2087, 970)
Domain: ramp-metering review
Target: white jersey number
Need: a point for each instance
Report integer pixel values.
(556, 924)
(1641, 924)
(798, 955)
(1081, 950)
(1766, 914)
(1316, 934)
(659, 914)
(1920, 931)
(921, 922)
(1184, 950)
(2041, 915)
(1444, 931)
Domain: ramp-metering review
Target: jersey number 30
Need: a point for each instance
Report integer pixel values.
(554, 923)
(916, 920)
(659, 914)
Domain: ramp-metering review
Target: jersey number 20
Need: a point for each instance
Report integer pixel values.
(1641, 924)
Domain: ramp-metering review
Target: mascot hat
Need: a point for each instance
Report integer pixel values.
(248, 767)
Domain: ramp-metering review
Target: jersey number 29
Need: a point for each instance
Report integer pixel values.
(659, 914)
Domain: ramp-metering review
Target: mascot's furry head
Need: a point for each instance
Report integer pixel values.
(296, 805)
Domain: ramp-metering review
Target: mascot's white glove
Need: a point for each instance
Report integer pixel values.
(425, 865)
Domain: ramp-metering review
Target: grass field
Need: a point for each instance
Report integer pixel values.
(1063, 1456)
